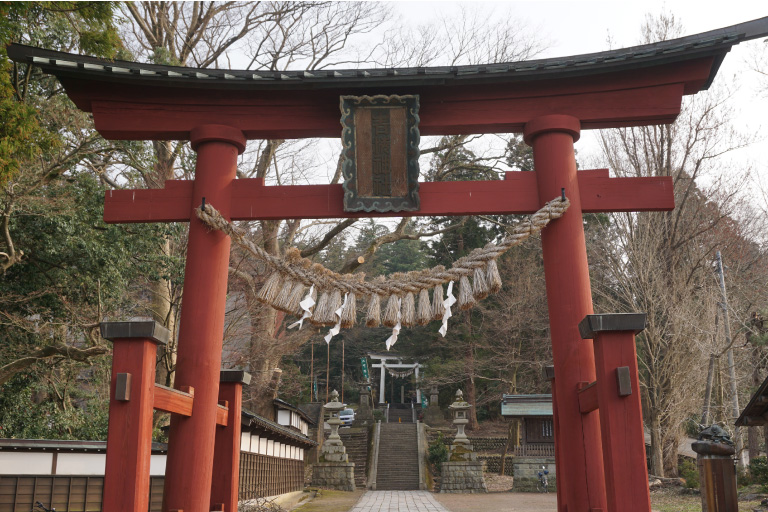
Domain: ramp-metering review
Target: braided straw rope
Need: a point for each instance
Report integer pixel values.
(302, 270)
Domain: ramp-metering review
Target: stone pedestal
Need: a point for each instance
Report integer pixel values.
(463, 477)
(334, 475)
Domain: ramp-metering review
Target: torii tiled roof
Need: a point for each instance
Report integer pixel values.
(715, 43)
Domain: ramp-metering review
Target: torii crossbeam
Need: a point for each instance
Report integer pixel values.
(550, 101)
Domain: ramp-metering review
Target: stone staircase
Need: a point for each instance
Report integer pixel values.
(356, 442)
(400, 413)
(398, 468)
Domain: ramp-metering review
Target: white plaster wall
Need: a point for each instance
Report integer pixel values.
(81, 463)
(20, 463)
(245, 441)
(157, 465)
(283, 417)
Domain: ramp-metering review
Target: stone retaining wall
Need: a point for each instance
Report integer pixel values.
(526, 473)
(493, 464)
(334, 475)
(481, 444)
(463, 477)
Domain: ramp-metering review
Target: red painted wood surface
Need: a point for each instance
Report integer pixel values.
(129, 434)
(648, 96)
(569, 299)
(226, 459)
(588, 398)
(621, 423)
(516, 194)
(173, 401)
(189, 466)
(222, 414)
(561, 479)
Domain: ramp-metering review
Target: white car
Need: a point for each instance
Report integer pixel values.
(347, 416)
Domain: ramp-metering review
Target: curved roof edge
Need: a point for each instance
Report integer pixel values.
(715, 43)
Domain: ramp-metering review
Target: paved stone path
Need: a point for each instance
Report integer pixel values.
(398, 501)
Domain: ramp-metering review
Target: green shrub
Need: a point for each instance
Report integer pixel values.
(758, 470)
(437, 452)
(689, 473)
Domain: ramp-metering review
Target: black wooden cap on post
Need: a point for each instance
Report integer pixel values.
(146, 329)
(593, 324)
(236, 376)
(549, 372)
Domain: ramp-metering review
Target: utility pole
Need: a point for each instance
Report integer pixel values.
(740, 454)
(342, 370)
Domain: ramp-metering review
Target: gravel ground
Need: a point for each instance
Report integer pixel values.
(499, 502)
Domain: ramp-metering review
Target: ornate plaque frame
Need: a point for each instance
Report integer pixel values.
(380, 177)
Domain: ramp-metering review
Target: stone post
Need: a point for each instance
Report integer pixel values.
(364, 414)
(433, 416)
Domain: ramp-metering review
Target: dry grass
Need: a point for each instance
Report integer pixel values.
(671, 500)
(331, 501)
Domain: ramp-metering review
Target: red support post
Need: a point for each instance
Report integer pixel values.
(549, 374)
(189, 466)
(226, 458)
(131, 395)
(621, 414)
(569, 299)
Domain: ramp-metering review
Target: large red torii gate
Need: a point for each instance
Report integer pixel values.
(550, 101)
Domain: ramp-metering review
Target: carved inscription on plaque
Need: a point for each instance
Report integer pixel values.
(380, 137)
(380, 158)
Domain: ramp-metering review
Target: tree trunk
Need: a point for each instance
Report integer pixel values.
(510, 434)
(657, 453)
(708, 391)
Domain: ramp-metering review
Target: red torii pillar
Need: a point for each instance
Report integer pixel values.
(569, 298)
(191, 440)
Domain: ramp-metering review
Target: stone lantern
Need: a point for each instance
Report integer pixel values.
(333, 448)
(334, 469)
(462, 472)
(459, 409)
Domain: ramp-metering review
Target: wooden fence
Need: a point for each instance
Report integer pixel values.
(64, 493)
(260, 476)
(535, 450)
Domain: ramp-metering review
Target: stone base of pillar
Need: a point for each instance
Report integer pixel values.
(334, 475)
(463, 477)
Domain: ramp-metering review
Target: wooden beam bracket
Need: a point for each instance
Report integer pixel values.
(587, 397)
(222, 413)
(174, 401)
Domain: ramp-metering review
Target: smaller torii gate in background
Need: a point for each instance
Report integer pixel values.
(382, 365)
(598, 421)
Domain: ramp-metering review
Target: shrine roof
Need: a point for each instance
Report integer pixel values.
(252, 419)
(715, 43)
(526, 405)
(756, 411)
